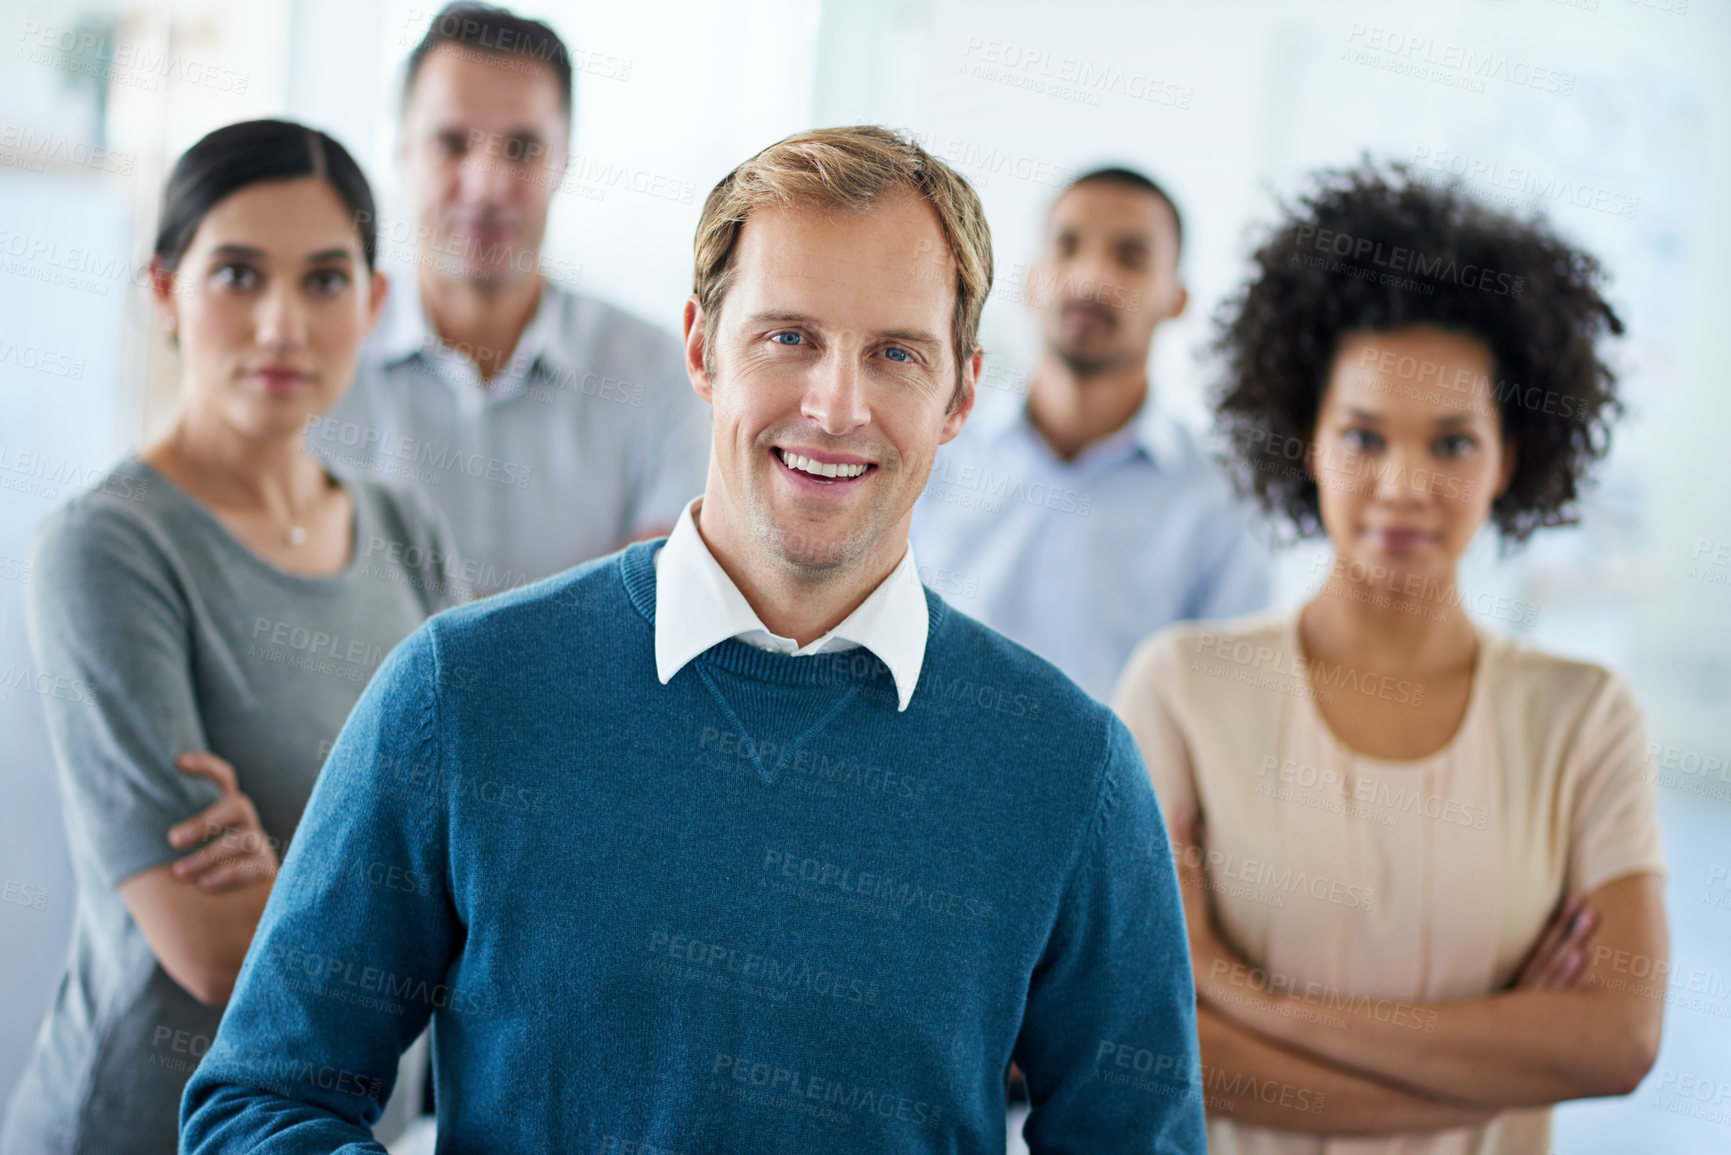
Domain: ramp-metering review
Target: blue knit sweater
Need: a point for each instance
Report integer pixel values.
(754, 910)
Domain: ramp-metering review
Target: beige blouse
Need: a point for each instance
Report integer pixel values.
(1416, 880)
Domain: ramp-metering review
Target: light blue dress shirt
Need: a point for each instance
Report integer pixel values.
(1080, 560)
(588, 436)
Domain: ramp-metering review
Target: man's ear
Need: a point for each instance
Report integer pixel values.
(964, 405)
(558, 171)
(1180, 298)
(694, 351)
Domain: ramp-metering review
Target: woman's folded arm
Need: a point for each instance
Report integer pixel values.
(1520, 1048)
(1251, 1079)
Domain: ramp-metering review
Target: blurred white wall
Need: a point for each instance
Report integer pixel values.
(1229, 103)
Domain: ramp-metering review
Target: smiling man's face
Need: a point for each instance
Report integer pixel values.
(834, 369)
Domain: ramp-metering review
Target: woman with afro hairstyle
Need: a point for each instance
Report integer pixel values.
(1421, 866)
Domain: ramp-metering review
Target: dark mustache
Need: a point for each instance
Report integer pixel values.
(1093, 308)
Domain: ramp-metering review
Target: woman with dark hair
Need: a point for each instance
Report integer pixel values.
(1421, 864)
(214, 609)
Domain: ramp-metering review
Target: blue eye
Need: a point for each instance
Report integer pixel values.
(793, 338)
(899, 355)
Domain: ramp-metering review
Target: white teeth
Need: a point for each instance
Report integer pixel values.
(818, 468)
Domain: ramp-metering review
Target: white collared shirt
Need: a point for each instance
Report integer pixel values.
(697, 605)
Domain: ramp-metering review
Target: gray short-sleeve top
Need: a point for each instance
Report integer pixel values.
(154, 632)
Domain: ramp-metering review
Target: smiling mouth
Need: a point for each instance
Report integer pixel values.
(826, 473)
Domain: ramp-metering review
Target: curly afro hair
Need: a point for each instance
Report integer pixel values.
(1374, 249)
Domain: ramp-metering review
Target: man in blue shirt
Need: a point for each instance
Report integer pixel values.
(785, 854)
(1082, 521)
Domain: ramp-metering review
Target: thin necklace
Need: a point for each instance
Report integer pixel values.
(295, 533)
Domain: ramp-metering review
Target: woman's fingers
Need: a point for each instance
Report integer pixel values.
(1538, 963)
(1551, 971)
(238, 858)
(1561, 956)
(202, 825)
(241, 853)
(218, 850)
(227, 811)
(234, 839)
(1580, 935)
(1570, 951)
(236, 872)
(208, 765)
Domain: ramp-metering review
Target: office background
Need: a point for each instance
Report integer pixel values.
(1613, 116)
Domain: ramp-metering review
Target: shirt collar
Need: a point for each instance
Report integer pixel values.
(1156, 434)
(697, 605)
(405, 330)
(1151, 429)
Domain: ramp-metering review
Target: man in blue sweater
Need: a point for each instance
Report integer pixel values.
(742, 840)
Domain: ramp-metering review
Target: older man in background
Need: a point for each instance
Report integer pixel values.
(548, 426)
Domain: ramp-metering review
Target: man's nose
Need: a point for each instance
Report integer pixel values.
(835, 395)
(1085, 276)
(487, 178)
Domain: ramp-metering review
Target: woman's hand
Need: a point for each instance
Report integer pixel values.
(1560, 958)
(243, 855)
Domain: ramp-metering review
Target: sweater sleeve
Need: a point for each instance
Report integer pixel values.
(352, 954)
(1108, 1040)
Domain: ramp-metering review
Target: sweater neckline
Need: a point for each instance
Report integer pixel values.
(841, 667)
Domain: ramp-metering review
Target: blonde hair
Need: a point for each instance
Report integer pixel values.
(845, 169)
